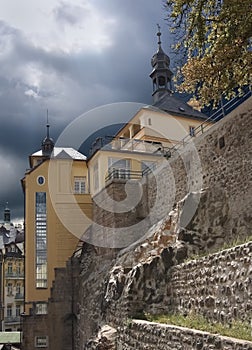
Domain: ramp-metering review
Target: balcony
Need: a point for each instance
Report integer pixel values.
(14, 275)
(19, 296)
(12, 319)
(126, 145)
(123, 174)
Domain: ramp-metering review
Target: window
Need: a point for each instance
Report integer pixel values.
(41, 308)
(10, 268)
(149, 121)
(41, 341)
(9, 310)
(41, 241)
(19, 268)
(9, 289)
(80, 185)
(96, 177)
(41, 180)
(118, 168)
(192, 131)
(18, 288)
(18, 310)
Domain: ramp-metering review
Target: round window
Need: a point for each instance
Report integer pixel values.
(41, 180)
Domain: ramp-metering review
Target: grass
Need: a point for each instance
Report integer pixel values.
(238, 329)
(227, 245)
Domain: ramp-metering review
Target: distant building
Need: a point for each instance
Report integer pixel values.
(12, 274)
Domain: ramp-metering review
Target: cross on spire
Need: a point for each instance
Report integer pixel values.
(159, 34)
(47, 124)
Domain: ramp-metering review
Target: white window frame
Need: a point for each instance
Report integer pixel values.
(118, 169)
(41, 341)
(80, 184)
(41, 309)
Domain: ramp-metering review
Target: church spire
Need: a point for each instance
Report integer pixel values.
(47, 143)
(161, 74)
(6, 214)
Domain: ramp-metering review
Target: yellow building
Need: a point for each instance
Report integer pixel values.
(150, 135)
(57, 180)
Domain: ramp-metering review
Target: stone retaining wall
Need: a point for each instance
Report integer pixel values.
(143, 335)
(218, 286)
(219, 161)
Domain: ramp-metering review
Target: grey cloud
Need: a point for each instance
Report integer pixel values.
(72, 83)
(70, 14)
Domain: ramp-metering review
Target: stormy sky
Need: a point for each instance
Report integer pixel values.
(68, 57)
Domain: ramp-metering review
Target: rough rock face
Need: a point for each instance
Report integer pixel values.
(105, 340)
(210, 209)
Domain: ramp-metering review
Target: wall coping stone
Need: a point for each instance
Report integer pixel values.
(191, 330)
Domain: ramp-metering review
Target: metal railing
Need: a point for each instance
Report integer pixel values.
(230, 105)
(109, 143)
(220, 113)
(12, 319)
(13, 274)
(19, 296)
(123, 174)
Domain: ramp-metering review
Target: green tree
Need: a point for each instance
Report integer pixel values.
(216, 36)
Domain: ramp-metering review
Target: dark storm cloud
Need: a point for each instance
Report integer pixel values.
(34, 78)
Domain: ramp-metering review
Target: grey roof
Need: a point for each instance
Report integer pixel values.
(63, 153)
(7, 235)
(173, 105)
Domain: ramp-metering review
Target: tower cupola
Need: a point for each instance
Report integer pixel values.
(47, 143)
(161, 74)
(7, 214)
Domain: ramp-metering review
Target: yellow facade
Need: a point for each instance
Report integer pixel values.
(56, 179)
(157, 125)
(102, 162)
(144, 141)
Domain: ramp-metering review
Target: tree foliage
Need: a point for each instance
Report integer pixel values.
(216, 36)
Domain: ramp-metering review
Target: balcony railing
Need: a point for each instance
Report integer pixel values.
(12, 274)
(220, 113)
(123, 174)
(12, 319)
(19, 296)
(126, 145)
